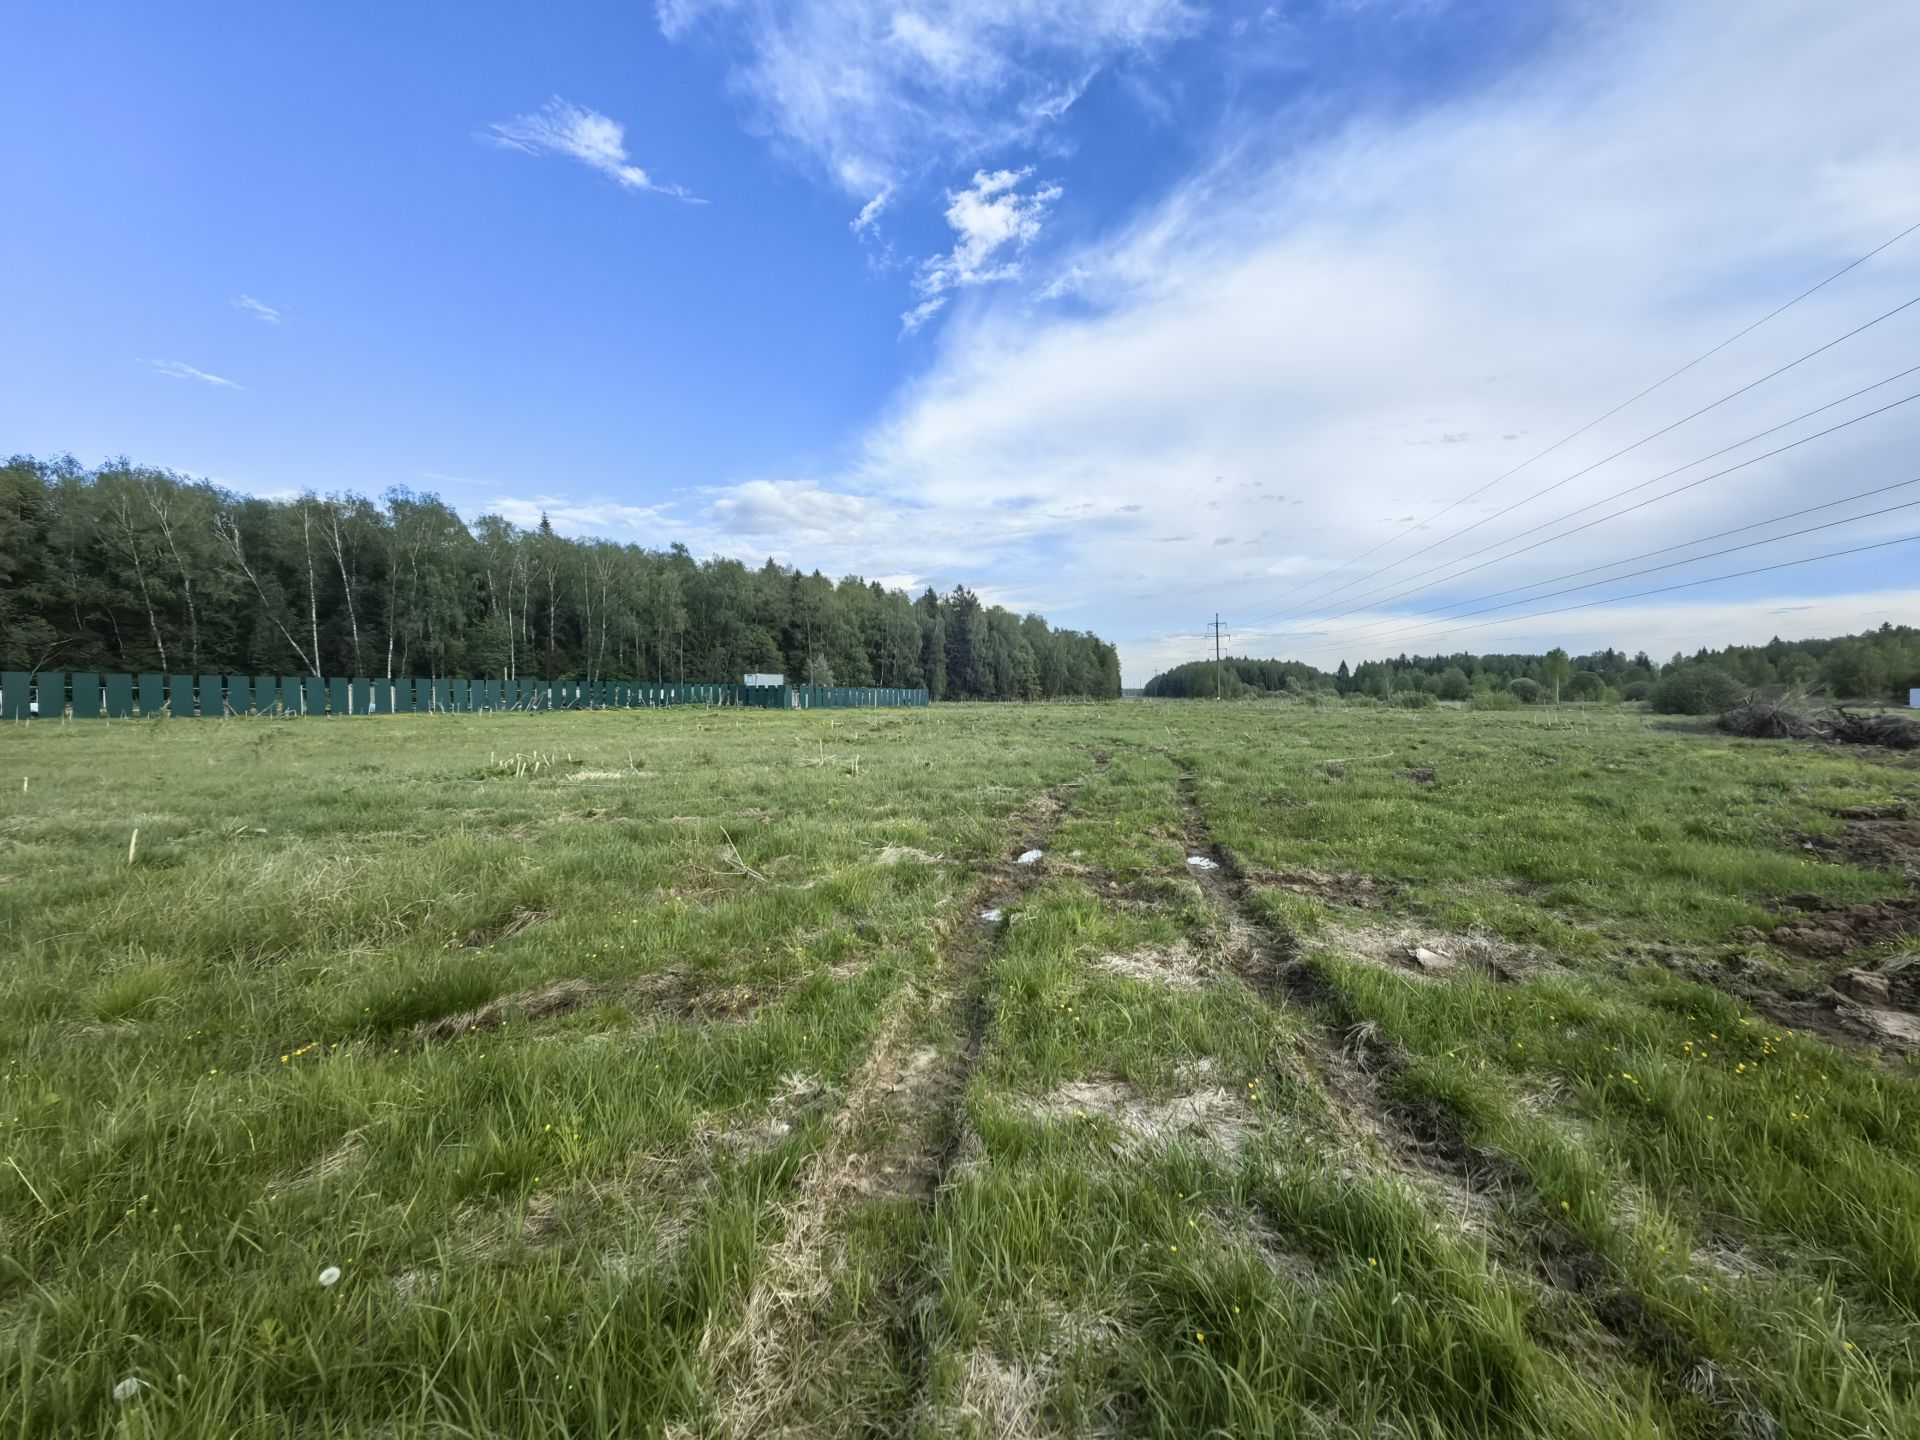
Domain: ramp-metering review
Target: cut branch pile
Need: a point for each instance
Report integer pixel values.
(1794, 717)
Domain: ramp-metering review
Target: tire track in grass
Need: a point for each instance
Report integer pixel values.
(767, 1361)
(1267, 958)
(1431, 1147)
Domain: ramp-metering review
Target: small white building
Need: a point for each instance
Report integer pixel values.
(765, 680)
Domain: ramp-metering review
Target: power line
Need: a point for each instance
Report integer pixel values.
(1660, 590)
(1689, 544)
(1645, 439)
(1695, 560)
(1705, 355)
(1375, 598)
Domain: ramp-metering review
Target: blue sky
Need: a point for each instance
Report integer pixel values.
(1126, 310)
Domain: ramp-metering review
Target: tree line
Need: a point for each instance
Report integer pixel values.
(130, 568)
(1876, 665)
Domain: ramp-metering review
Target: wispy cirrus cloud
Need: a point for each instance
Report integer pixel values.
(871, 92)
(993, 222)
(180, 370)
(577, 133)
(258, 309)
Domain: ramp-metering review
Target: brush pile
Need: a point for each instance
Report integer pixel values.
(1795, 717)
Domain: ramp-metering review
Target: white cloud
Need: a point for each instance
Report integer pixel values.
(796, 511)
(259, 309)
(993, 222)
(869, 215)
(646, 524)
(870, 91)
(912, 320)
(1490, 275)
(599, 143)
(179, 370)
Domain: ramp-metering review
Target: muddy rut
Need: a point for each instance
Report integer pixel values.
(1352, 1068)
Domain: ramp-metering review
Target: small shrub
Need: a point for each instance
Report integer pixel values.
(1414, 700)
(1361, 701)
(1527, 690)
(1494, 700)
(1696, 690)
(1636, 690)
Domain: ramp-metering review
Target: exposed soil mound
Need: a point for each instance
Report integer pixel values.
(1829, 931)
(1879, 837)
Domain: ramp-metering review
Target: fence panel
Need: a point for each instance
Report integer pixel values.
(24, 695)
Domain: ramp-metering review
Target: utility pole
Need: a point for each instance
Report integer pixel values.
(1218, 670)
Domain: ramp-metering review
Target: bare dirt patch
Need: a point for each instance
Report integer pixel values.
(1877, 837)
(1356, 892)
(1828, 931)
(1871, 1008)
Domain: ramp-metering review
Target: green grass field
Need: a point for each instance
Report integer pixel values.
(1536, 1074)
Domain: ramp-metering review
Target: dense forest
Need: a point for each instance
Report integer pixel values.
(1878, 665)
(125, 568)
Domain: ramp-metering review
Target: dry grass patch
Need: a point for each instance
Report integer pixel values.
(1176, 966)
(995, 1400)
(1210, 1116)
(562, 997)
(347, 1153)
(485, 935)
(1436, 954)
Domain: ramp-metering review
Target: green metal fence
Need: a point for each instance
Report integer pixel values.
(87, 695)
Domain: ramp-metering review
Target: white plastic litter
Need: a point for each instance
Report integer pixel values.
(1029, 857)
(992, 917)
(1201, 862)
